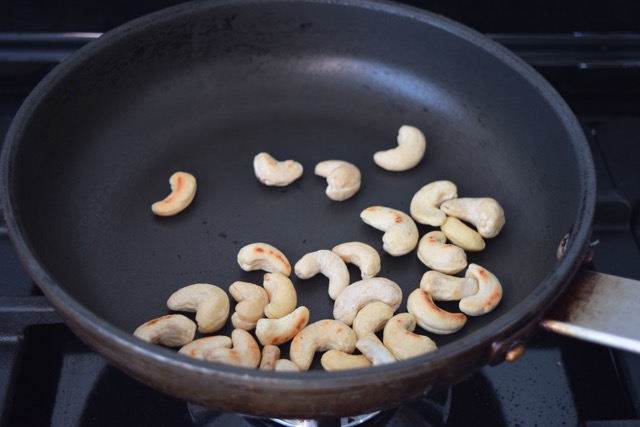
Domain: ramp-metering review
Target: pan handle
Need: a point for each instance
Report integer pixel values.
(599, 308)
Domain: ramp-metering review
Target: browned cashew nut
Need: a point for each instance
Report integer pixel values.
(173, 330)
(401, 233)
(343, 178)
(432, 318)
(438, 255)
(336, 360)
(322, 335)
(399, 338)
(245, 351)
(183, 190)
(197, 347)
(410, 150)
(209, 302)
(425, 204)
(262, 256)
(251, 300)
(283, 297)
(484, 212)
(327, 263)
(489, 292)
(272, 172)
(444, 287)
(363, 256)
(279, 331)
(364, 292)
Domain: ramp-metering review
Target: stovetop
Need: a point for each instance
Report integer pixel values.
(591, 56)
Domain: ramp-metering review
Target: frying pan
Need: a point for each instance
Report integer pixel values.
(203, 87)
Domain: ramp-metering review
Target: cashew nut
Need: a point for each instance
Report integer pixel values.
(245, 351)
(285, 365)
(251, 299)
(399, 338)
(343, 178)
(270, 355)
(443, 287)
(327, 263)
(489, 292)
(401, 233)
(270, 171)
(366, 291)
(462, 235)
(425, 203)
(173, 330)
(279, 331)
(371, 346)
(262, 256)
(361, 255)
(183, 190)
(432, 318)
(282, 295)
(212, 314)
(322, 335)
(410, 150)
(197, 348)
(438, 255)
(484, 213)
(371, 318)
(336, 360)
(210, 303)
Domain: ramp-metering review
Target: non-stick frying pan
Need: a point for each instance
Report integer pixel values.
(205, 86)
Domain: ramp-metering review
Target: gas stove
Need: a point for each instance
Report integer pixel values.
(590, 54)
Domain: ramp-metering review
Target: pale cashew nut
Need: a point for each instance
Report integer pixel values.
(197, 348)
(272, 172)
(401, 233)
(432, 318)
(270, 355)
(251, 300)
(484, 213)
(336, 360)
(279, 331)
(283, 297)
(285, 365)
(363, 256)
(343, 178)
(489, 292)
(443, 287)
(438, 255)
(262, 256)
(462, 235)
(322, 335)
(329, 264)
(209, 302)
(212, 314)
(359, 294)
(409, 152)
(173, 330)
(425, 204)
(371, 346)
(399, 338)
(371, 318)
(245, 351)
(183, 190)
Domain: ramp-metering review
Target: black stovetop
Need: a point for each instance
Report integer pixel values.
(589, 51)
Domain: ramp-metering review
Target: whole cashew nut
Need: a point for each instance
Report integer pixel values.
(489, 292)
(343, 178)
(432, 318)
(183, 190)
(361, 255)
(251, 300)
(401, 233)
(283, 297)
(262, 256)
(438, 255)
(245, 351)
(279, 331)
(336, 360)
(173, 330)
(399, 338)
(371, 318)
(371, 346)
(484, 213)
(443, 287)
(329, 264)
(425, 204)
(209, 302)
(462, 235)
(198, 347)
(322, 335)
(409, 152)
(270, 355)
(359, 294)
(272, 172)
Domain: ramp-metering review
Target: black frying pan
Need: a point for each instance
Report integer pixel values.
(205, 86)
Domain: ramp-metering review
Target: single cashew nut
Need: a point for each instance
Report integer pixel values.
(425, 203)
(212, 314)
(322, 335)
(272, 172)
(399, 338)
(443, 287)
(327, 263)
(251, 300)
(409, 152)
(438, 255)
(183, 190)
(279, 331)
(371, 346)
(343, 178)
(209, 302)
(197, 348)
(283, 297)
(371, 318)
(359, 294)
(270, 355)
(336, 360)
(484, 213)
(245, 351)
(432, 318)
(262, 256)
(462, 235)
(363, 256)
(401, 233)
(489, 292)
(286, 365)
(173, 330)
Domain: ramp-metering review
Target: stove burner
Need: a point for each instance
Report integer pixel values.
(343, 422)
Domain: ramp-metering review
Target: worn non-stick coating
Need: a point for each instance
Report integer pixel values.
(206, 86)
